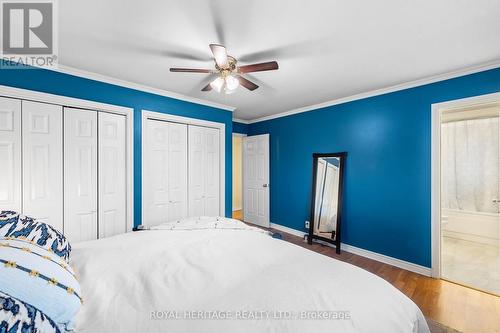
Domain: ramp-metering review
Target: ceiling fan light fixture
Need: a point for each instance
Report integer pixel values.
(217, 84)
(232, 83)
(229, 74)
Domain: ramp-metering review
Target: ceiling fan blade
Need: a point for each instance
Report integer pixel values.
(265, 66)
(190, 70)
(220, 55)
(208, 87)
(247, 83)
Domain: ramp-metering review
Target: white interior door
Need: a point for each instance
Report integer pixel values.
(196, 171)
(256, 179)
(80, 174)
(204, 171)
(177, 171)
(10, 154)
(165, 172)
(155, 173)
(212, 172)
(112, 167)
(42, 162)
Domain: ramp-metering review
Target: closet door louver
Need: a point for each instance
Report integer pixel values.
(42, 167)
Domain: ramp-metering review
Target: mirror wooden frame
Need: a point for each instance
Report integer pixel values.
(337, 239)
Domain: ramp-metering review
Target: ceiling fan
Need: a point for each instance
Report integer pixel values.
(228, 74)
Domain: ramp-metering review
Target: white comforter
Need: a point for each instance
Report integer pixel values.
(223, 276)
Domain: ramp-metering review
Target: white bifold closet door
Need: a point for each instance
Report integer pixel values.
(204, 171)
(10, 154)
(42, 159)
(112, 170)
(165, 172)
(80, 174)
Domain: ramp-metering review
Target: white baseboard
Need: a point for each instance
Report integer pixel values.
(365, 253)
(387, 260)
(287, 230)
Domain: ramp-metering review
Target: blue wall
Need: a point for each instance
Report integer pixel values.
(387, 206)
(72, 86)
(240, 128)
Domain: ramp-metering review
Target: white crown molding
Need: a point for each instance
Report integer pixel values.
(376, 92)
(137, 86)
(364, 253)
(242, 121)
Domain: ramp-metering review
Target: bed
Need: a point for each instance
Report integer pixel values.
(221, 275)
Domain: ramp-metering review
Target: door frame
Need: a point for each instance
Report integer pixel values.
(78, 103)
(436, 111)
(156, 115)
(241, 135)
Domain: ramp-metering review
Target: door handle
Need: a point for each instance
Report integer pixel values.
(265, 185)
(496, 201)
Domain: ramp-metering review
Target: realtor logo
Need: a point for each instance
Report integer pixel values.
(28, 30)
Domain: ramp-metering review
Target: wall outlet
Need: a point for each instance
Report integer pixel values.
(307, 224)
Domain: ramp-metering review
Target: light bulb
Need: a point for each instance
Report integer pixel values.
(232, 83)
(217, 84)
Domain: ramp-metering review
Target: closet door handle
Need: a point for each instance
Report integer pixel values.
(496, 201)
(265, 185)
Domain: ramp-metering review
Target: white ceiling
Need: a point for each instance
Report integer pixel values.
(325, 49)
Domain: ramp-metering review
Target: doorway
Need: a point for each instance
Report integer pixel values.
(251, 197)
(469, 193)
(238, 176)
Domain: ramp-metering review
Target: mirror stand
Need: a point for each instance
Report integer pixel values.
(326, 213)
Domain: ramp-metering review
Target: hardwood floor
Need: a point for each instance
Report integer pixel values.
(464, 309)
(238, 214)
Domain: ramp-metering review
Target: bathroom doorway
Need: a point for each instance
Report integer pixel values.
(469, 192)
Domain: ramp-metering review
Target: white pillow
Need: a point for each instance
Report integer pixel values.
(41, 278)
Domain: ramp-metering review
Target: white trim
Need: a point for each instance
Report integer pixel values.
(287, 230)
(435, 192)
(437, 110)
(387, 260)
(36, 96)
(236, 208)
(137, 86)
(241, 121)
(382, 91)
(191, 121)
(363, 253)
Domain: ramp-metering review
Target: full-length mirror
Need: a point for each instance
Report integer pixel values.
(326, 201)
